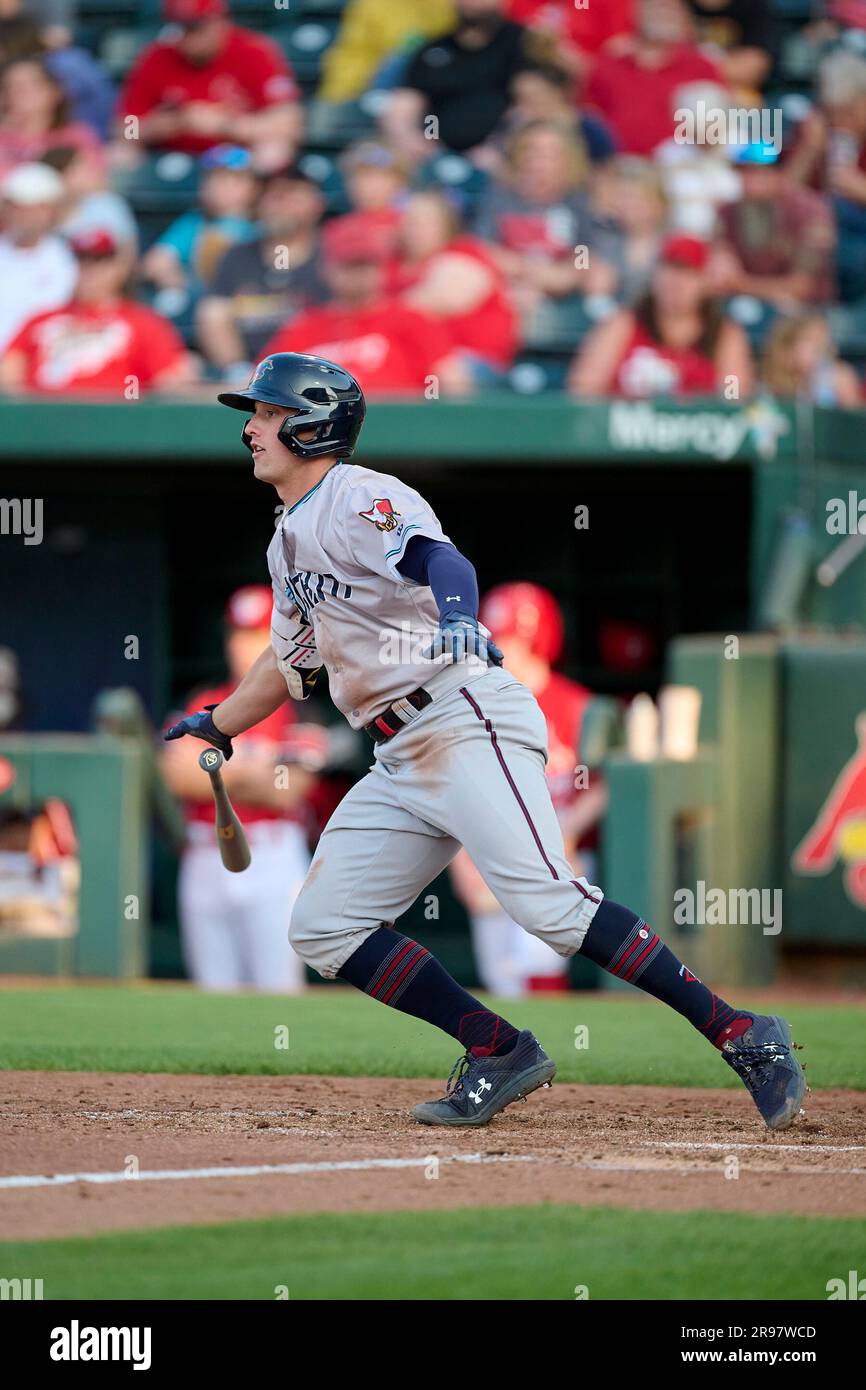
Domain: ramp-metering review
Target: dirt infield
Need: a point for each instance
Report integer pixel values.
(635, 1146)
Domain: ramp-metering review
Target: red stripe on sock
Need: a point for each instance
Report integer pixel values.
(422, 951)
(410, 945)
(650, 946)
(623, 961)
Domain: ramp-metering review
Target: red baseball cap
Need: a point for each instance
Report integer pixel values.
(97, 243)
(356, 238)
(250, 607)
(688, 251)
(193, 11)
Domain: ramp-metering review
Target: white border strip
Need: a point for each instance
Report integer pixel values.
(766, 1146)
(253, 1171)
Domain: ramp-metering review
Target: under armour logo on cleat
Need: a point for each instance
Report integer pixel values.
(478, 1095)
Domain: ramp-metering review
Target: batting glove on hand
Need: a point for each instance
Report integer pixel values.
(201, 725)
(460, 636)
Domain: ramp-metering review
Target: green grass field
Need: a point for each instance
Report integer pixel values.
(540, 1252)
(511, 1253)
(340, 1033)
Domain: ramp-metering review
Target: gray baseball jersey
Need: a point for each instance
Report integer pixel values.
(340, 600)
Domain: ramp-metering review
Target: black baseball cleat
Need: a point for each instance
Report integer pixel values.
(763, 1058)
(479, 1087)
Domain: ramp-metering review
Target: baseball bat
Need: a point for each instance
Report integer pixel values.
(232, 842)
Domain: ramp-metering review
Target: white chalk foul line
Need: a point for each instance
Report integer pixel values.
(767, 1147)
(358, 1165)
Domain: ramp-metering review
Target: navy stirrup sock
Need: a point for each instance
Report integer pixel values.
(397, 971)
(621, 942)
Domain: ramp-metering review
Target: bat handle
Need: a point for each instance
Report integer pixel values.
(210, 761)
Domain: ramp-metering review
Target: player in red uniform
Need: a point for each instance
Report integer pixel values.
(235, 926)
(526, 622)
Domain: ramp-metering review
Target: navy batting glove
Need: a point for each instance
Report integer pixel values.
(201, 725)
(459, 636)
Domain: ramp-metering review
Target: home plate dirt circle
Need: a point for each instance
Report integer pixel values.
(87, 1152)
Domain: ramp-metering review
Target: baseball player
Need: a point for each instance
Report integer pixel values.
(234, 925)
(526, 622)
(367, 584)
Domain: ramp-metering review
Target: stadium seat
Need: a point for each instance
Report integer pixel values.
(119, 48)
(304, 43)
(800, 11)
(457, 176)
(754, 316)
(531, 375)
(123, 10)
(848, 327)
(321, 166)
(178, 306)
(559, 325)
(163, 183)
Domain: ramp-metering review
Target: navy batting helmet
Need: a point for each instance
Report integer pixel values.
(326, 397)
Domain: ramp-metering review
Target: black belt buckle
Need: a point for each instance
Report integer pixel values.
(390, 722)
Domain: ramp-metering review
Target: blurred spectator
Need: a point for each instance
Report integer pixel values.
(579, 31)
(745, 36)
(236, 933)
(698, 175)
(539, 214)
(213, 83)
(376, 179)
(391, 348)
(454, 279)
(830, 155)
(634, 90)
(629, 196)
(260, 284)
(545, 93)
(37, 269)
(778, 239)
(371, 31)
(35, 114)
(675, 342)
(88, 201)
(800, 359)
(100, 342)
(462, 81)
(87, 85)
(187, 254)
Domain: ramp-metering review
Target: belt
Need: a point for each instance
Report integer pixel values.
(398, 715)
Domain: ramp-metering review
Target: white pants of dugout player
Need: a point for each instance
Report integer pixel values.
(468, 770)
(234, 925)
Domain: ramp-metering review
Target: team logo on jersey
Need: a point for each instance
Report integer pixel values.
(381, 515)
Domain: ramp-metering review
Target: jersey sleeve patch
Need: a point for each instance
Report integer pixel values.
(381, 514)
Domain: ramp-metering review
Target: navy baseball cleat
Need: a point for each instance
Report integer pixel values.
(479, 1087)
(763, 1058)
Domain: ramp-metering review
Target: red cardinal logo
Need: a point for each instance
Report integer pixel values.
(839, 831)
(381, 514)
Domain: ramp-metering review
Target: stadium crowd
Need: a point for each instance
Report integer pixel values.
(444, 197)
